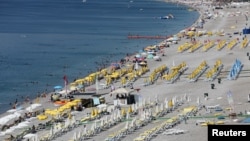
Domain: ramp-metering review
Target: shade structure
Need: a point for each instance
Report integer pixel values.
(34, 107)
(121, 91)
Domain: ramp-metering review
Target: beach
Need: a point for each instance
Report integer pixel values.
(225, 24)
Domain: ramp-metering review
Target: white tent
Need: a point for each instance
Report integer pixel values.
(31, 137)
(34, 107)
(121, 91)
(4, 120)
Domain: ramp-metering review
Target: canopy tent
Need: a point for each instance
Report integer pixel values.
(121, 91)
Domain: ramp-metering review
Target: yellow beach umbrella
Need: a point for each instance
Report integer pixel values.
(42, 117)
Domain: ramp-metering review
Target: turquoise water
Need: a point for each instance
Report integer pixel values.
(43, 40)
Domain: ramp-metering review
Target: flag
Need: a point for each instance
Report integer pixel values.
(65, 80)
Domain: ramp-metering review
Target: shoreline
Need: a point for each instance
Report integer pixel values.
(191, 89)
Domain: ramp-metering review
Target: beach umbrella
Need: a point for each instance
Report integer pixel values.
(75, 136)
(106, 120)
(67, 122)
(189, 99)
(126, 125)
(150, 56)
(156, 109)
(79, 135)
(127, 115)
(198, 101)
(157, 58)
(137, 55)
(161, 107)
(144, 54)
(31, 137)
(85, 130)
(143, 63)
(95, 124)
(52, 130)
(144, 102)
(93, 127)
(22, 125)
(149, 101)
(102, 123)
(156, 98)
(166, 104)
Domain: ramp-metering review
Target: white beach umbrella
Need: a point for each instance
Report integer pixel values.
(73, 120)
(161, 107)
(133, 107)
(156, 98)
(93, 127)
(79, 135)
(118, 114)
(149, 100)
(67, 122)
(102, 123)
(185, 97)
(106, 120)
(157, 58)
(198, 101)
(166, 104)
(33, 107)
(132, 124)
(95, 124)
(174, 100)
(85, 130)
(114, 116)
(136, 106)
(144, 102)
(126, 125)
(142, 115)
(22, 125)
(189, 99)
(127, 115)
(51, 130)
(74, 136)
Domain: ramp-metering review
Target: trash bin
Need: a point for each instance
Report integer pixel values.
(219, 80)
(212, 86)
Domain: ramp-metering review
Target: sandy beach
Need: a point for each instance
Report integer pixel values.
(224, 24)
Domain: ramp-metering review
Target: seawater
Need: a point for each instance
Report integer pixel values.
(43, 40)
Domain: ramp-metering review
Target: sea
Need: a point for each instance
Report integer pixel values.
(41, 41)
